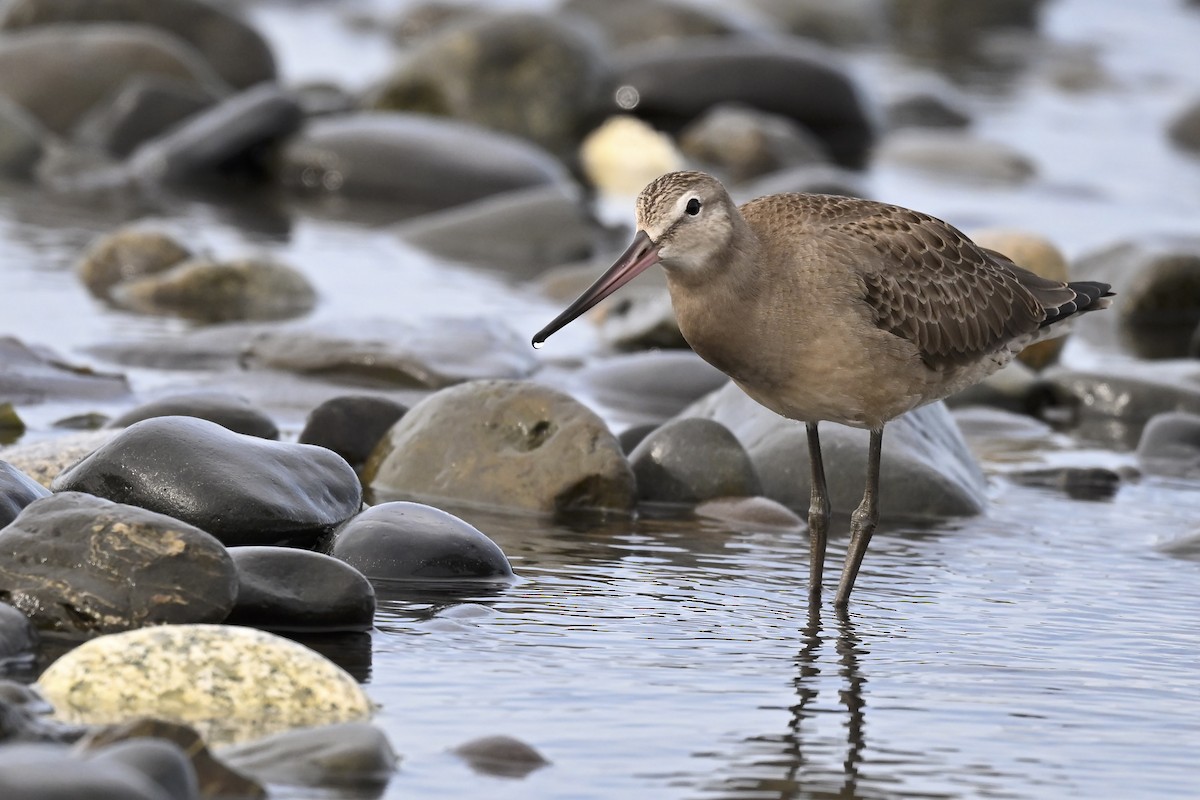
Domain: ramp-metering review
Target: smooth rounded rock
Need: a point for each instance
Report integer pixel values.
(1170, 445)
(125, 254)
(411, 541)
(283, 588)
(75, 563)
(159, 760)
(238, 53)
(33, 374)
(670, 87)
(206, 290)
(631, 22)
(231, 683)
(523, 74)
(744, 143)
(504, 443)
(692, 460)
(224, 408)
(347, 756)
(926, 469)
(502, 756)
(17, 490)
(749, 513)
(955, 156)
(50, 772)
(624, 154)
(652, 386)
(143, 108)
(18, 640)
(351, 425)
(417, 163)
(241, 489)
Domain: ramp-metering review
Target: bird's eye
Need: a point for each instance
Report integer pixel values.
(693, 206)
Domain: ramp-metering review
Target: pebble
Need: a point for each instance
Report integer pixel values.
(624, 154)
(501, 756)
(350, 756)
(125, 254)
(750, 513)
(955, 156)
(230, 411)
(287, 589)
(690, 461)
(351, 425)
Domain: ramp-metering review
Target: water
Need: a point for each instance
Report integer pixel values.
(1045, 650)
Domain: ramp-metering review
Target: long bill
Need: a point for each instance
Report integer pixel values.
(640, 255)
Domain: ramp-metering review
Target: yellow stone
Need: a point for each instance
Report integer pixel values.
(232, 684)
(624, 154)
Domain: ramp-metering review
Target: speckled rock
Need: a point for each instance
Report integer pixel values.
(241, 489)
(1170, 445)
(59, 72)
(692, 460)
(954, 156)
(49, 772)
(127, 253)
(524, 74)
(33, 374)
(237, 52)
(17, 490)
(18, 644)
(416, 163)
(233, 137)
(143, 108)
(504, 443)
(351, 425)
(75, 563)
(520, 233)
(629, 22)
(502, 756)
(1157, 281)
(22, 141)
(670, 87)
(624, 153)
(743, 143)
(411, 541)
(231, 683)
(435, 354)
(283, 588)
(926, 469)
(750, 513)
(206, 290)
(228, 410)
(348, 756)
(43, 460)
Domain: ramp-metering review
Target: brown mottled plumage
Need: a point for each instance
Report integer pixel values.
(835, 308)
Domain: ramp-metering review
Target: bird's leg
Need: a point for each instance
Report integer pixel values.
(862, 523)
(818, 518)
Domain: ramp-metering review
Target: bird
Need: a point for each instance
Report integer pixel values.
(825, 308)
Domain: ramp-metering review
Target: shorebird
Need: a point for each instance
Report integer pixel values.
(829, 308)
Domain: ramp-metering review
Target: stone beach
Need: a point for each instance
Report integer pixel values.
(288, 503)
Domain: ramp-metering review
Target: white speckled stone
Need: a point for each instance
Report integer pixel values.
(232, 684)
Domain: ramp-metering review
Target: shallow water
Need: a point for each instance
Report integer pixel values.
(1047, 649)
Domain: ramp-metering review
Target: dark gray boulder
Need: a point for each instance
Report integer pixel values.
(224, 408)
(692, 460)
(17, 490)
(283, 588)
(351, 425)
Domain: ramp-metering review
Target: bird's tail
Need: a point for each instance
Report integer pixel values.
(1088, 296)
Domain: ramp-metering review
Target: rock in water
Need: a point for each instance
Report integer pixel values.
(76, 563)
(231, 683)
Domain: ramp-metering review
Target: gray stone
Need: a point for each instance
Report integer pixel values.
(926, 468)
(955, 156)
(670, 87)
(386, 353)
(159, 760)
(690, 461)
(128, 253)
(207, 290)
(59, 72)
(749, 513)
(1170, 445)
(48, 772)
(1184, 127)
(521, 233)
(818, 179)
(75, 563)
(523, 74)
(143, 108)
(745, 143)
(237, 52)
(502, 756)
(1078, 483)
(287, 589)
(241, 489)
(349, 756)
(950, 33)
(224, 408)
(30, 375)
(351, 425)
(927, 107)
(18, 642)
(22, 141)
(665, 22)
(17, 490)
(411, 541)
(507, 444)
(650, 387)
(415, 162)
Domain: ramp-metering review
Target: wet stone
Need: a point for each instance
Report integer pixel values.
(1170, 445)
(206, 290)
(241, 489)
(348, 756)
(502, 756)
(80, 564)
(32, 374)
(142, 109)
(50, 772)
(1078, 483)
(651, 387)
(390, 353)
(17, 490)
(43, 460)
(523, 74)
(283, 588)
(926, 469)
(416, 163)
(125, 254)
(411, 541)
(750, 513)
(744, 143)
(238, 53)
(161, 761)
(18, 643)
(224, 408)
(507, 444)
(351, 425)
(231, 683)
(690, 461)
(794, 79)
